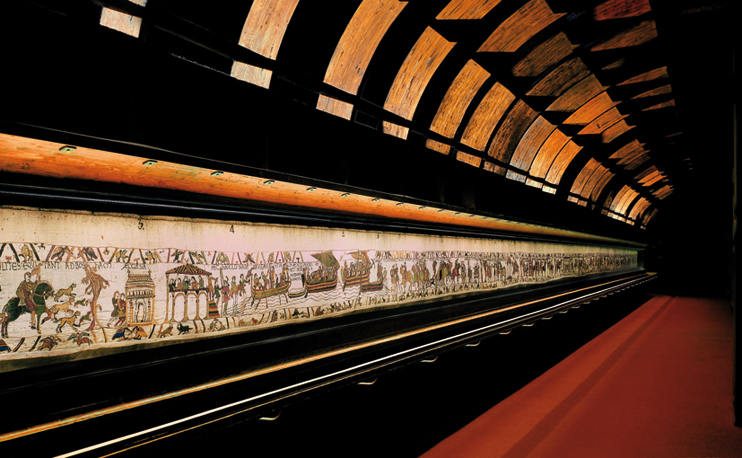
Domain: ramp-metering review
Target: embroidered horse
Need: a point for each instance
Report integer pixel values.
(14, 308)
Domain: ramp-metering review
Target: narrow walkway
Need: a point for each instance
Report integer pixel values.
(657, 384)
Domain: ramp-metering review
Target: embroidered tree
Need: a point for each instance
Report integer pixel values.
(96, 283)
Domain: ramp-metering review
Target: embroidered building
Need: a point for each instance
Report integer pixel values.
(140, 299)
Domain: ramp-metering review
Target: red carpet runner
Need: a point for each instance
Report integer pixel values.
(657, 384)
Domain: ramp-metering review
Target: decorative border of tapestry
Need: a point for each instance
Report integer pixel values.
(77, 282)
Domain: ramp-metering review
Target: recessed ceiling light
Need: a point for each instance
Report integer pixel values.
(345, 194)
(440, 211)
(67, 149)
(217, 173)
(399, 204)
(149, 162)
(422, 207)
(269, 181)
(311, 188)
(375, 199)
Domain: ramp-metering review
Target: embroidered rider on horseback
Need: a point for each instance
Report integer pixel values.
(25, 292)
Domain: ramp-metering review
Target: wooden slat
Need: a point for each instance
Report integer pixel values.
(615, 130)
(254, 75)
(512, 129)
(548, 152)
(578, 95)
(395, 129)
(468, 159)
(662, 90)
(122, 22)
(654, 180)
(627, 149)
(639, 208)
(457, 99)
(637, 162)
(515, 176)
(467, 9)
(534, 183)
(531, 142)
(520, 27)
(594, 180)
(631, 156)
(587, 171)
(617, 64)
(669, 103)
(416, 71)
(598, 189)
(648, 217)
(438, 146)
(602, 122)
(491, 167)
(485, 118)
(544, 56)
(609, 201)
(266, 25)
(651, 75)
(625, 190)
(628, 199)
(591, 110)
(645, 173)
(334, 106)
(619, 9)
(356, 47)
(562, 161)
(635, 36)
(560, 79)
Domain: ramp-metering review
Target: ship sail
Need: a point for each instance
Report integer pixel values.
(327, 258)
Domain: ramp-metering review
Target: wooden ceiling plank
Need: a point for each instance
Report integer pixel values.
(415, 73)
(520, 27)
(486, 117)
(457, 99)
(266, 25)
(359, 42)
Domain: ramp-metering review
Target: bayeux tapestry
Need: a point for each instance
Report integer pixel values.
(74, 282)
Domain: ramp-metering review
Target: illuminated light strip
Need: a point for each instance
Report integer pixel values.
(249, 375)
(35, 157)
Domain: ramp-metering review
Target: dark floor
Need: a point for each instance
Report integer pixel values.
(657, 384)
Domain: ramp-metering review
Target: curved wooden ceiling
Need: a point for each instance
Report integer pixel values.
(573, 98)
